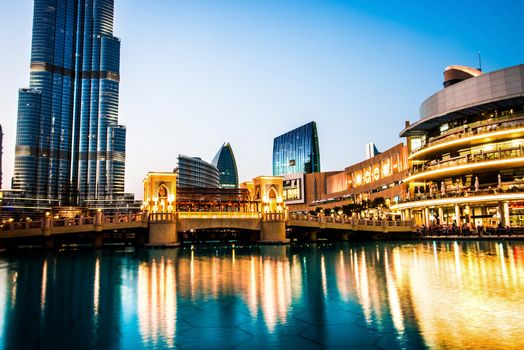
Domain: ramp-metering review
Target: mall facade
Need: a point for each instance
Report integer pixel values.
(378, 176)
(466, 156)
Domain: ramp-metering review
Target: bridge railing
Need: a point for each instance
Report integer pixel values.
(321, 218)
(11, 226)
(122, 218)
(162, 216)
(308, 217)
(219, 215)
(49, 222)
(274, 216)
(350, 221)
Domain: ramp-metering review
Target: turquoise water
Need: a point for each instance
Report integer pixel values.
(437, 295)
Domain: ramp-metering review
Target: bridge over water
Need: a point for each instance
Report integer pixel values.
(136, 228)
(256, 212)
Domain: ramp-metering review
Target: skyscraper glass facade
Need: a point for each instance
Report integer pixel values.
(69, 145)
(297, 151)
(227, 166)
(194, 172)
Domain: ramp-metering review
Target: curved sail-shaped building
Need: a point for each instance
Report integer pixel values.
(224, 160)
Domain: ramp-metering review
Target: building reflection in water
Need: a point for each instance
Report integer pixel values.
(455, 295)
(476, 303)
(156, 302)
(96, 288)
(442, 294)
(266, 285)
(63, 294)
(43, 288)
(392, 293)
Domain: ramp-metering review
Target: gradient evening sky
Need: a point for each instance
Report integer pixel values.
(196, 73)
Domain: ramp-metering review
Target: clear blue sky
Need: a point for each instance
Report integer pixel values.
(197, 73)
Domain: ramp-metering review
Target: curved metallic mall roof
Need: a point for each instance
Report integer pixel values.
(471, 71)
(499, 89)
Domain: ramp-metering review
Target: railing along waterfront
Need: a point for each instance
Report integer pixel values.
(481, 128)
(451, 231)
(349, 220)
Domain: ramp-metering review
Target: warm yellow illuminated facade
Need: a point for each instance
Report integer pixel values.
(378, 176)
(256, 206)
(268, 189)
(160, 192)
(466, 153)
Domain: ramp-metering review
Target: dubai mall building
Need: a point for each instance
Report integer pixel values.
(466, 156)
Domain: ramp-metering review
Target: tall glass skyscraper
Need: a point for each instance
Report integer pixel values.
(227, 166)
(69, 146)
(297, 151)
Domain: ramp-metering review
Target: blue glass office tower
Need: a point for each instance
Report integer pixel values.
(224, 160)
(297, 151)
(69, 146)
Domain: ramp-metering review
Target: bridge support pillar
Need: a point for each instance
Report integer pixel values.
(162, 231)
(273, 229)
(98, 240)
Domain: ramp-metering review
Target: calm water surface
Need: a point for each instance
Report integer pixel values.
(437, 295)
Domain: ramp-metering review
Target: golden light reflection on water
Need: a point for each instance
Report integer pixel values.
(458, 298)
(323, 272)
(394, 302)
(156, 301)
(43, 288)
(455, 295)
(96, 287)
(343, 281)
